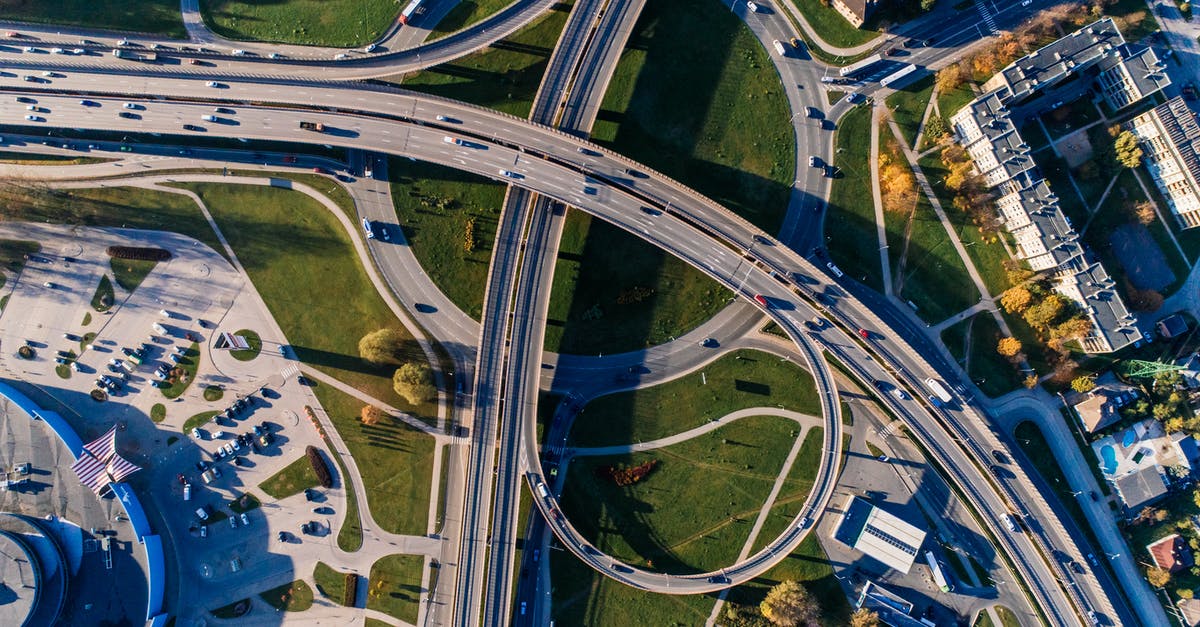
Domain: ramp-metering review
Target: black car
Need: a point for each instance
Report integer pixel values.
(191, 127)
(718, 579)
(132, 116)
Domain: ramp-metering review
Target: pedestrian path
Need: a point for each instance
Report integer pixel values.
(804, 420)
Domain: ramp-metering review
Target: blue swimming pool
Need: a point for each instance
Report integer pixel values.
(1108, 459)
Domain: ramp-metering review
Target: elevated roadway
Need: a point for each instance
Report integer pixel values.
(549, 162)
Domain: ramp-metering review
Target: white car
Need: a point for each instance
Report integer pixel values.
(58, 51)
(239, 53)
(123, 42)
(370, 48)
(212, 84)
(130, 105)
(196, 433)
(245, 519)
(899, 394)
(273, 55)
(218, 434)
(753, 7)
(187, 491)
(510, 174)
(283, 349)
(341, 55)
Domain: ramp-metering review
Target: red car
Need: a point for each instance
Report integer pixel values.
(762, 300)
(866, 335)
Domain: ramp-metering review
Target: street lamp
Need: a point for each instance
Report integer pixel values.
(1113, 556)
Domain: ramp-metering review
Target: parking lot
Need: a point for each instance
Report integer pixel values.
(131, 353)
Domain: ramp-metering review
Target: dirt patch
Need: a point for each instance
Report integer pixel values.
(1075, 148)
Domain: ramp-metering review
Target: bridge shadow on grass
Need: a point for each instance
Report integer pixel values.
(689, 117)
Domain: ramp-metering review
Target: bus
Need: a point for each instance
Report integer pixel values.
(904, 74)
(861, 66)
(367, 229)
(410, 11)
(939, 577)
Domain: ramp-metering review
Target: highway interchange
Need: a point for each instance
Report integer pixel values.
(548, 165)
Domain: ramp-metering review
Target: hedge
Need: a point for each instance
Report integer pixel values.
(319, 467)
(134, 252)
(351, 590)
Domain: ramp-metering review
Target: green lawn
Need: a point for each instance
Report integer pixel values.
(739, 380)
(213, 393)
(908, 107)
(933, 277)
(340, 23)
(130, 273)
(296, 596)
(1070, 117)
(12, 256)
(951, 101)
(1133, 18)
(158, 412)
(395, 460)
(466, 13)
(613, 292)
(189, 363)
(244, 503)
(830, 25)
(395, 586)
(1111, 215)
(151, 16)
(1007, 617)
(1033, 135)
(130, 207)
(105, 296)
(314, 287)
(850, 223)
(504, 76)
(433, 205)
(199, 420)
(694, 511)
(330, 583)
(713, 115)
(254, 342)
(293, 479)
(987, 252)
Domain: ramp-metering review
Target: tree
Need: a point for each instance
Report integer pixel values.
(864, 618)
(1016, 299)
(1041, 315)
(948, 79)
(1174, 424)
(382, 347)
(1143, 300)
(1128, 152)
(1196, 497)
(414, 382)
(1083, 384)
(927, 5)
(1074, 329)
(1163, 412)
(1158, 577)
(1030, 381)
(371, 415)
(1185, 593)
(789, 604)
(1008, 346)
(1143, 212)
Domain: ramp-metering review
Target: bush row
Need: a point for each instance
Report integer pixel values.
(351, 590)
(627, 475)
(134, 252)
(319, 467)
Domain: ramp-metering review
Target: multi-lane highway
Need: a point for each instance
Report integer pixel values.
(646, 204)
(549, 162)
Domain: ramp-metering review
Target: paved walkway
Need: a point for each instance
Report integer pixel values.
(804, 420)
(878, 111)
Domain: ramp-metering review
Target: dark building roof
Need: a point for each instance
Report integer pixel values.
(1172, 326)
(1061, 58)
(1141, 488)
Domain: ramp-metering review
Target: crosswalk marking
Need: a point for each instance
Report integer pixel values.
(987, 16)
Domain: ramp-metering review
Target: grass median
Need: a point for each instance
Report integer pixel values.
(13, 253)
(395, 462)
(434, 205)
(614, 292)
(303, 264)
(338, 23)
(850, 231)
(505, 75)
(147, 16)
(739, 380)
(991, 371)
(292, 479)
(466, 13)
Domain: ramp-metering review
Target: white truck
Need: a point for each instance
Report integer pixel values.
(941, 396)
(780, 48)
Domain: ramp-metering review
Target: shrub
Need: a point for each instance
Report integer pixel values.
(319, 466)
(134, 252)
(351, 590)
(371, 415)
(414, 382)
(627, 475)
(469, 235)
